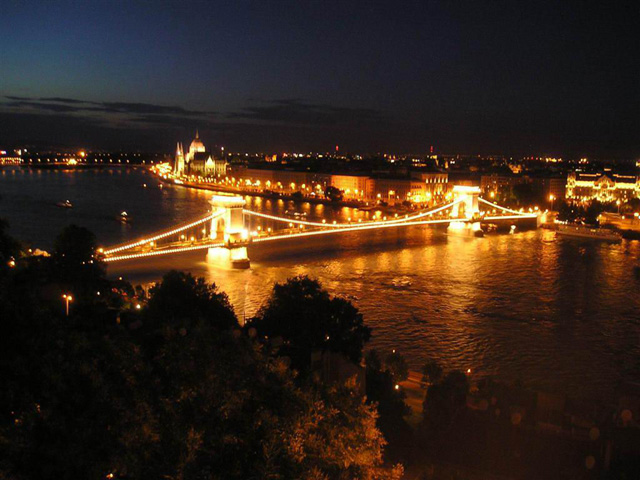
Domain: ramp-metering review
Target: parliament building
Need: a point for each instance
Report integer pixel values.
(198, 161)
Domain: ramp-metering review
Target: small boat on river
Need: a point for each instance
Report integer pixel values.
(65, 204)
(124, 217)
(295, 214)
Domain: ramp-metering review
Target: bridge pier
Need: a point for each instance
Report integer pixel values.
(465, 210)
(228, 227)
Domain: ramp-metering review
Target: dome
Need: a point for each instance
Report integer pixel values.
(196, 144)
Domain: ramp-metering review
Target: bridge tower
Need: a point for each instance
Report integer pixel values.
(228, 227)
(465, 210)
(468, 207)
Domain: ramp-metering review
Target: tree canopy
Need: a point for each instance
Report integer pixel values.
(9, 247)
(307, 318)
(174, 390)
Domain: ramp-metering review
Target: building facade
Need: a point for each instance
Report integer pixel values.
(423, 188)
(604, 187)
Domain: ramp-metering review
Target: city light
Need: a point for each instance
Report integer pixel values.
(67, 298)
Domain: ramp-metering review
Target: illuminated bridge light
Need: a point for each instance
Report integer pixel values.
(347, 225)
(117, 258)
(322, 229)
(161, 235)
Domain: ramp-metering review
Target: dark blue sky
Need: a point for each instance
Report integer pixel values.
(472, 77)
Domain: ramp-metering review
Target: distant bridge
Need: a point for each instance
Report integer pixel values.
(225, 234)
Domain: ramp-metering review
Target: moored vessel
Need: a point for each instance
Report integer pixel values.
(587, 232)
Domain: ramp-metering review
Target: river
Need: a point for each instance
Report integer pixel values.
(557, 314)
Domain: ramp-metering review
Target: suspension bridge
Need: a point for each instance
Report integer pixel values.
(229, 229)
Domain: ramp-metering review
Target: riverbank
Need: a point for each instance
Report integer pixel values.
(275, 195)
(505, 428)
(81, 166)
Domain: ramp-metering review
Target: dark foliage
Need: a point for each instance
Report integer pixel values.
(445, 400)
(397, 366)
(392, 409)
(307, 319)
(574, 213)
(174, 390)
(9, 248)
(431, 372)
(334, 194)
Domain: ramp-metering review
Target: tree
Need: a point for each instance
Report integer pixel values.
(73, 395)
(445, 399)
(184, 395)
(592, 212)
(524, 194)
(337, 436)
(75, 245)
(431, 372)
(9, 247)
(397, 365)
(307, 318)
(334, 194)
(180, 298)
(381, 390)
(75, 261)
(631, 206)
(568, 212)
(572, 213)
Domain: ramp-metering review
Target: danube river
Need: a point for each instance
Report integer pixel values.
(559, 315)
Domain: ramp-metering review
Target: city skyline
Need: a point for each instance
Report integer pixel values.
(470, 78)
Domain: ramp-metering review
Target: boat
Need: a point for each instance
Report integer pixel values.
(368, 208)
(124, 217)
(587, 232)
(295, 214)
(65, 204)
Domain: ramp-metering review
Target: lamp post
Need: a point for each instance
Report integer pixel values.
(551, 199)
(67, 298)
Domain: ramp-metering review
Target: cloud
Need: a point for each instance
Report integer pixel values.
(148, 108)
(280, 125)
(60, 100)
(70, 105)
(51, 107)
(295, 111)
(13, 97)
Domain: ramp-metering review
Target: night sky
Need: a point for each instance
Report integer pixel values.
(557, 78)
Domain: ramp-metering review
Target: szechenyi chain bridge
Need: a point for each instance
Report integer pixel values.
(226, 232)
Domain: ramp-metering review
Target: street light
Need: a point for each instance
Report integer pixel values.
(67, 298)
(551, 199)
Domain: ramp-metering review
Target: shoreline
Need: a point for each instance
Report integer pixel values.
(80, 166)
(272, 195)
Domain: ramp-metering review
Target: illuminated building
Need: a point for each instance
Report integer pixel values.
(354, 187)
(422, 187)
(604, 187)
(198, 161)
